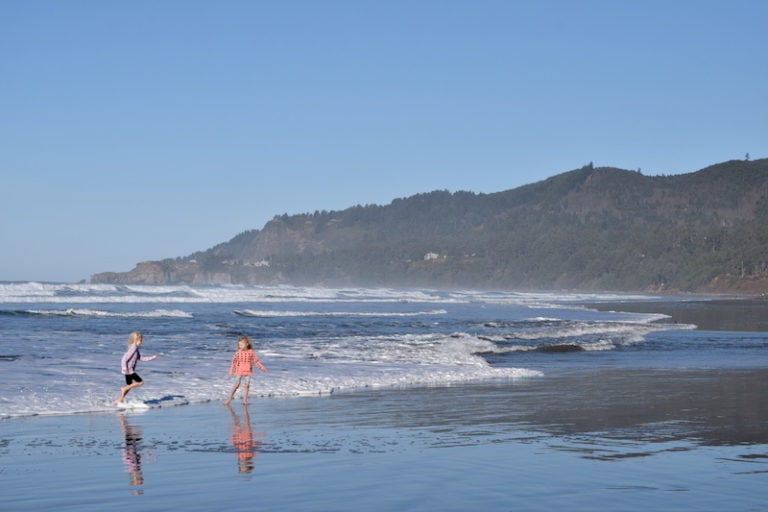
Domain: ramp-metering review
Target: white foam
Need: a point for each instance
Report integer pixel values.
(32, 292)
(158, 313)
(296, 367)
(133, 404)
(560, 330)
(294, 313)
(599, 345)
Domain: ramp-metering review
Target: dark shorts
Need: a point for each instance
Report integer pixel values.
(134, 377)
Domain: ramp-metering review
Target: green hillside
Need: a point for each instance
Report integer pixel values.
(587, 229)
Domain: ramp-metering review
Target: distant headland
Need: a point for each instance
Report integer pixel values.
(593, 228)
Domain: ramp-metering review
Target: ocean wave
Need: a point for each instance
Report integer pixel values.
(456, 337)
(165, 393)
(268, 314)
(556, 347)
(158, 313)
(37, 292)
(570, 329)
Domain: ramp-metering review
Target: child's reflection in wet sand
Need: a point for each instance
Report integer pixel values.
(131, 454)
(242, 438)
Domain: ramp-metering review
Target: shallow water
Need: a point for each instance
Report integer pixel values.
(520, 447)
(383, 400)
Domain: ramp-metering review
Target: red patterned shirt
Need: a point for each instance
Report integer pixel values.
(243, 361)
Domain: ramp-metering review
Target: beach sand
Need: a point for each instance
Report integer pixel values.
(637, 440)
(725, 314)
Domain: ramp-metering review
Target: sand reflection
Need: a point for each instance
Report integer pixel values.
(242, 439)
(132, 453)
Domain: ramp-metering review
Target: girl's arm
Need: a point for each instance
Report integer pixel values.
(258, 363)
(232, 365)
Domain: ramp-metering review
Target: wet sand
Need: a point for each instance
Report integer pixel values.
(726, 314)
(629, 440)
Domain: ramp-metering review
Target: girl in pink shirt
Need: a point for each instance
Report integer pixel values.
(242, 367)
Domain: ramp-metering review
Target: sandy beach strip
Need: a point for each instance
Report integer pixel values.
(622, 441)
(746, 314)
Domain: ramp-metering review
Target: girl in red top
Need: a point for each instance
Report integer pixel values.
(242, 367)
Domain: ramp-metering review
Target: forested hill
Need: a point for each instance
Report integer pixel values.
(587, 229)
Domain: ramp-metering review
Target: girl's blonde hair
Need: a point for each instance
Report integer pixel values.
(134, 337)
(247, 341)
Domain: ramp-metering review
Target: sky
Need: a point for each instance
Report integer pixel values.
(144, 130)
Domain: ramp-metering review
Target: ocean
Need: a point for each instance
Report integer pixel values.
(61, 344)
(629, 390)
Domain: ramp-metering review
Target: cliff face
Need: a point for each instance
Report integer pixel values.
(604, 228)
(164, 272)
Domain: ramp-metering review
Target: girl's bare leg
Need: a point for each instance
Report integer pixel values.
(125, 389)
(245, 393)
(232, 393)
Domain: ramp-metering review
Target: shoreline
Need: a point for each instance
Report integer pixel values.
(747, 314)
(562, 403)
(558, 439)
(550, 392)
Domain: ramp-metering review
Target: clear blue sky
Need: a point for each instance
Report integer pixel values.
(142, 130)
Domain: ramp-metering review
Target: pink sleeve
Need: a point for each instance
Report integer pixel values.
(257, 362)
(232, 365)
